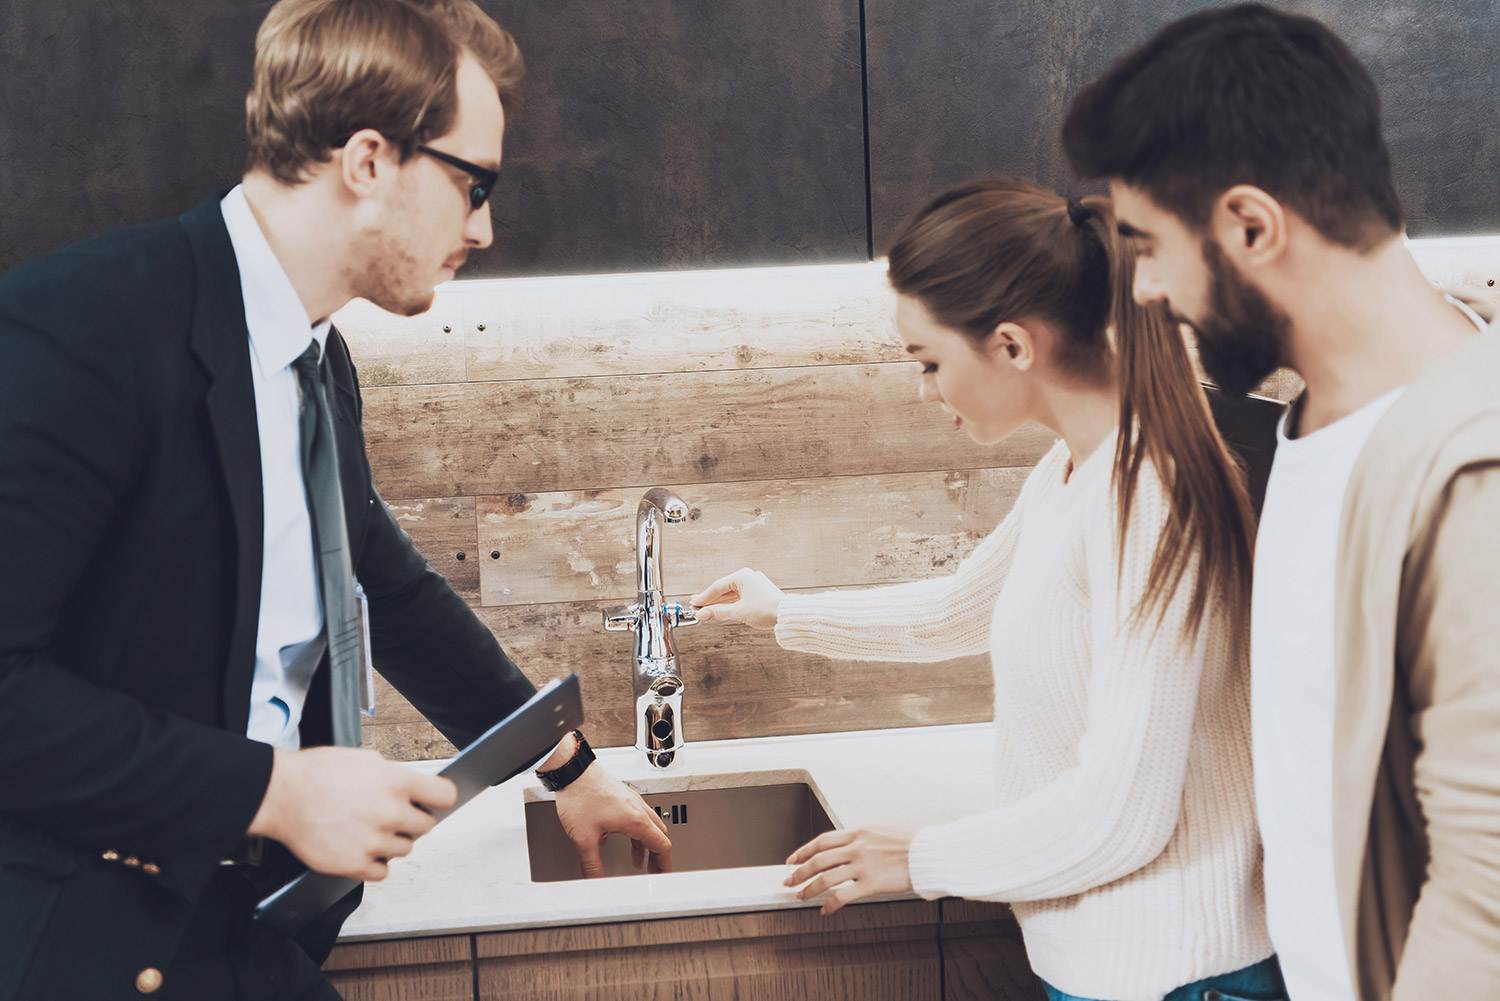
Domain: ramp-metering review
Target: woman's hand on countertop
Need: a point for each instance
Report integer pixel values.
(746, 596)
(596, 805)
(865, 862)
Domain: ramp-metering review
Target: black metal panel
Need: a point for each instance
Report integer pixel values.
(658, 134)
(114, 113)
(964, 87)
(681, 134)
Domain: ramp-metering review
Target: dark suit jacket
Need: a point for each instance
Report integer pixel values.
(130, 566)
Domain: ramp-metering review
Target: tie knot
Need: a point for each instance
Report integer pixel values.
(307, 363)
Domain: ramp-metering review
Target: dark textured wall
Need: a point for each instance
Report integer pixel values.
(114, 113)
(658, 133)
(681, 133)
(962, 87)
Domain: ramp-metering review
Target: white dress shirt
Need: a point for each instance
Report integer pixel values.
(290, 641)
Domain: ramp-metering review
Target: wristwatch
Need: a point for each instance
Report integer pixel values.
(563, 776)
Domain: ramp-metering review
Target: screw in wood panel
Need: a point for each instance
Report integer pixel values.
(494, 554)
(447, 328)
(1490, 282)
(460, 555)
(481, 326)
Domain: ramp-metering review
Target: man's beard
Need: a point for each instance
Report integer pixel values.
(1242, 339)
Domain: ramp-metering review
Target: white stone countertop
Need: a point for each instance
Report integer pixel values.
(472, 872)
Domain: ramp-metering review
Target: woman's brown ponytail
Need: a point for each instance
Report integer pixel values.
(1163, 405)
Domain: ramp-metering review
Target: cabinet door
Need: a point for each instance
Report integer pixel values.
(116, 113)
(672, 134)
(984, 958)
(413, 969)
(965, 87)
(868, 952)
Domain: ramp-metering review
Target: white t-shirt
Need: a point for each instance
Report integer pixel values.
(1292, 693)
(1291, 696)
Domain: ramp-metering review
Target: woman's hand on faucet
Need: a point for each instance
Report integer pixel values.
(746, 596)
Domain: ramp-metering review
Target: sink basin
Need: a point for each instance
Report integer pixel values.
(715, 822)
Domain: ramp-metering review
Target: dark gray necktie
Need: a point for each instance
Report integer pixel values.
(325, 502)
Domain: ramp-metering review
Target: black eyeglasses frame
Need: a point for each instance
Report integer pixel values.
(484, 178)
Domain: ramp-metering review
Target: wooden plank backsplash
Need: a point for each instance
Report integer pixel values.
(513, 428)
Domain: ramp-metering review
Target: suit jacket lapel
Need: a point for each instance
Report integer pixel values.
(220, 342)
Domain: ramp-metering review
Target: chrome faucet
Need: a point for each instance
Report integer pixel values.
(657, 682)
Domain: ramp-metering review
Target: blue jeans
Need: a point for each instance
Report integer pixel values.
(1261, 982)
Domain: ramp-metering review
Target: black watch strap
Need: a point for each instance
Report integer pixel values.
(563, 776)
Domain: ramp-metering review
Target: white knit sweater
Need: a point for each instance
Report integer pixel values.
(1126, 836)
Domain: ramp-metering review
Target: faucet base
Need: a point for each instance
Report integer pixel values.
(658, 723)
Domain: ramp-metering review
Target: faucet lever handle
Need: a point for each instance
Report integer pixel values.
(681, 615)
(622, 618)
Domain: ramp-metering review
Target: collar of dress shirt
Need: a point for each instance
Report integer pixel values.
(274, 313)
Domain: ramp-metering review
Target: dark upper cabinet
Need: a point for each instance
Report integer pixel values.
(114, 113)
(964, 87)
(666, 134)
(657, 133)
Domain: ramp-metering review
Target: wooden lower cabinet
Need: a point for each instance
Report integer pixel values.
(983, 955)
(901, 951)
(411, 969)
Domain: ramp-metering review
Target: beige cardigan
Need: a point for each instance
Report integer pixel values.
(1416, 801)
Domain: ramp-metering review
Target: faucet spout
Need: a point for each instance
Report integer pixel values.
(655, 679)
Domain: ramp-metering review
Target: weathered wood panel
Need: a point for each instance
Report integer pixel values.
(1468, 267)
(740, 683)
(891, 954)
(638, 431)
(445, 531)
(393, 350)
(546, 328)
(673, 322)
(825, 532)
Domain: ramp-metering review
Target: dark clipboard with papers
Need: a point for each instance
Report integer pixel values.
(508, 748)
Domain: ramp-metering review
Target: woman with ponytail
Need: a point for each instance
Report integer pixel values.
(1113, 600)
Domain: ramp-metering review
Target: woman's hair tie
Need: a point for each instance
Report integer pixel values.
(1078, 212)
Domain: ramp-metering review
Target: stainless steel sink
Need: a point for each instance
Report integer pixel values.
(759, 820)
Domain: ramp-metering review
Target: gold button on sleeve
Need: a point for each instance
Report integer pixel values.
(151, 869)
(148, 981)
(110, 855)
(131, 861)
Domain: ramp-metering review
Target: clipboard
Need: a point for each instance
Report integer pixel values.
(507, 749)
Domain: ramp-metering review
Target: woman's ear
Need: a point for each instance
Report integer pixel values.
(1013, 344)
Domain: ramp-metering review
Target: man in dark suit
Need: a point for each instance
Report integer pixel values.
(170, 599)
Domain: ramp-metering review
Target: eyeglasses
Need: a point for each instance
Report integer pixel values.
(484, 178)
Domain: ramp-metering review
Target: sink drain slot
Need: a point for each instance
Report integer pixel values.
(677, 815)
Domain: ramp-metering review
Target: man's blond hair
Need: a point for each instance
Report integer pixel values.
(325, 69)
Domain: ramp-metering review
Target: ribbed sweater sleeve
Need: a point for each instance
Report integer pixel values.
(1114, 809)
(920, 622)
